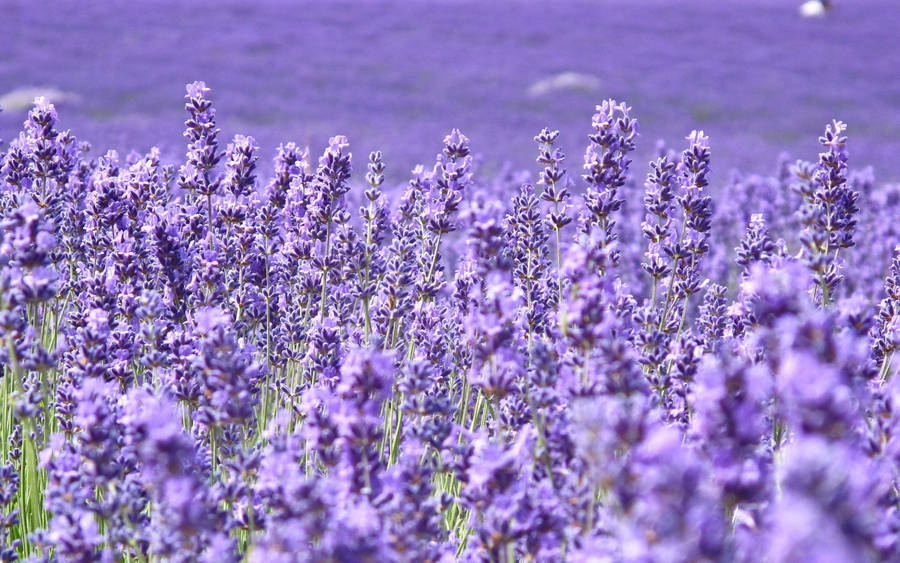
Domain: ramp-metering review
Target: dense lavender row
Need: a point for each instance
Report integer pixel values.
(202, 366)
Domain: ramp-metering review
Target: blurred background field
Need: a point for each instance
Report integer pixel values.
(397, 75)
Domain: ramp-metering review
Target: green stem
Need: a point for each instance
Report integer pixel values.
(209, 215)
(885, 367)
(325, 270)
(368, 318)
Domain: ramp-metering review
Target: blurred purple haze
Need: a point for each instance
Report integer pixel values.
(397, 75)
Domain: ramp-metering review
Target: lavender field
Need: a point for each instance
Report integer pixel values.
(395, 75)
(409, 281)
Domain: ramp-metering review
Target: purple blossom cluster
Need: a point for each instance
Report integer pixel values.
(199, 365)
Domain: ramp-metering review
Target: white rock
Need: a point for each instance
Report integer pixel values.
(564, 81)
(813, 9)
(21, 99)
